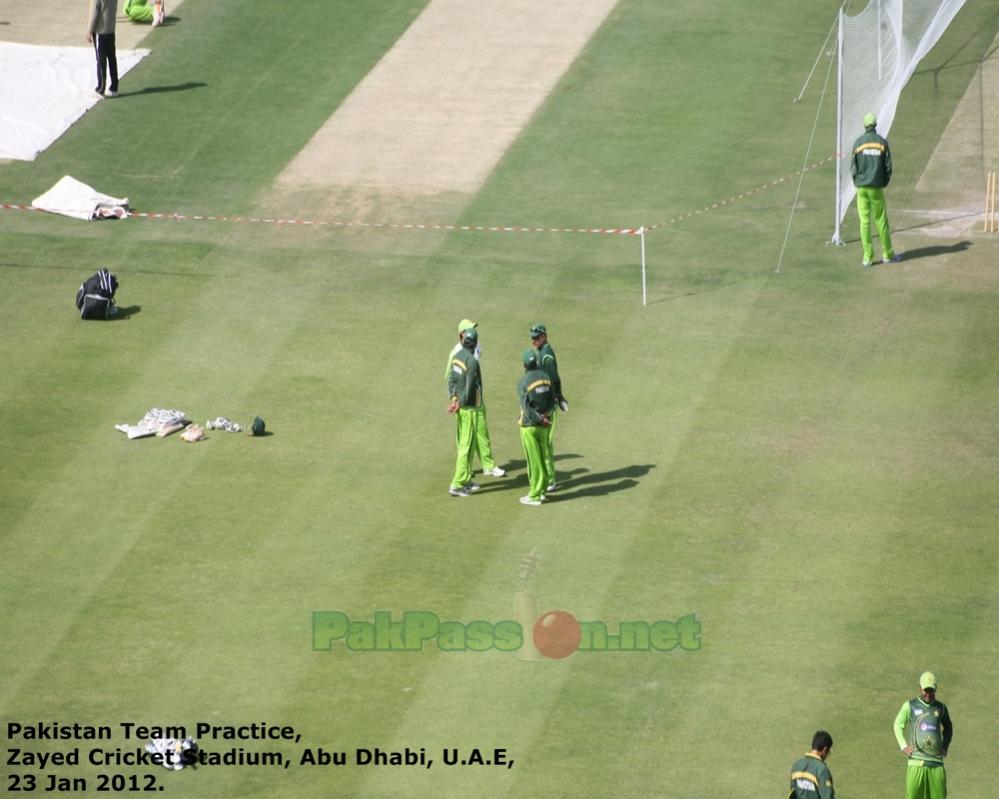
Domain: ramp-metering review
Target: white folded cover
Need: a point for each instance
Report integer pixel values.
(70, 197)
(44, 90)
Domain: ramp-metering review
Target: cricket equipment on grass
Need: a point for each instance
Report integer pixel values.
(95, 297)
(165, 431)
(193, 433)
(155, 420)
(258, 427)
(176, 752)
(221, 423)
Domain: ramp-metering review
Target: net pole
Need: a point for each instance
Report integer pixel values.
(645, 296)
(837, 233)
(879, 39)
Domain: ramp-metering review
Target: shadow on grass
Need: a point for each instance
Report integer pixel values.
(572, 483)
(180, 87)
(599, 484)
(125, 312)
(936, 249)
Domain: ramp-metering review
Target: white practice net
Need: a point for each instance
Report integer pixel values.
(879, 49)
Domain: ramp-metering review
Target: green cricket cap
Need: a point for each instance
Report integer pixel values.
(870, 120)
(258, 426)
(530, 358)
(466, 324)
(927, 680)
(538, 330)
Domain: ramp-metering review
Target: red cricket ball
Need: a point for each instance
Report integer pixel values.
(557, 634)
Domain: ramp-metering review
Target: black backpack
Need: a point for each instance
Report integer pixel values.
(95, 297)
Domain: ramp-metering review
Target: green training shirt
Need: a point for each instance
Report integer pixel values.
(811, 779)
(546, 360)
(926, 728)
(871, 164)
(464, 380)
(536, 397)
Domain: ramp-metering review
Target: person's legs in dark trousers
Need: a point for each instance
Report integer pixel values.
(107, 62)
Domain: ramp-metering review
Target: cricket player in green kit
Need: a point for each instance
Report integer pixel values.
(481, 444)
(547, 362)
(924, 731)
(537, 401)
(810, 776)
(871, 171)
(464, 387)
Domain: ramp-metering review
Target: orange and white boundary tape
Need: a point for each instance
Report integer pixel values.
(613, 231)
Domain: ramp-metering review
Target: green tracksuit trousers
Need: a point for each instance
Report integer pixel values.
(538, 454)
(468, 423)
(871, 202)
(550, 446)
(925, 782)
(480, 444)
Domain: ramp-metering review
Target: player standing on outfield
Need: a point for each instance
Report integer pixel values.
(481, 443)
(871, 170)
(537, 404)
(547, 362)
(810, 776)
(100, 31)
(924, 731)
(464, 387)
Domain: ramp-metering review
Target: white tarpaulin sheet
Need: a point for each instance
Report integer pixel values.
(70, 197)
(44, 90)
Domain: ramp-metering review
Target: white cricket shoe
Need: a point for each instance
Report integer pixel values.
(496, 471)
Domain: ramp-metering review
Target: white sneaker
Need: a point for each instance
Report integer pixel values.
(496, 471)
(529, 501)
(110, 93)
(551, 487)
(458, 492)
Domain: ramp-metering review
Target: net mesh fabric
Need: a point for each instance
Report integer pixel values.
(881, 48)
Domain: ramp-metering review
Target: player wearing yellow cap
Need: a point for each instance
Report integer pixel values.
(481, 444)
(871, 171)
(924, 731)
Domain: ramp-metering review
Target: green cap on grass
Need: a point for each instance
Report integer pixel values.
(258, 427)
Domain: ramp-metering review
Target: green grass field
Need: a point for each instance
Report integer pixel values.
(806, 461)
